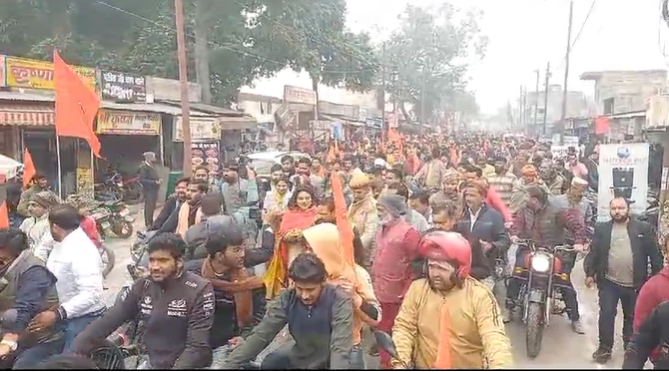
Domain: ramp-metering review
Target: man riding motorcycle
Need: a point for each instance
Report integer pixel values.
(27, 288)
(449, 307)
(319, 317)
(175, 309)
(545, 224)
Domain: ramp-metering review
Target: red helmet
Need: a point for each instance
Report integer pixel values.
(448, 246)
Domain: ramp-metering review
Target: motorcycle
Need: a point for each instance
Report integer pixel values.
(542, 282)
(138, 248)
(114, 216)
(132, 190)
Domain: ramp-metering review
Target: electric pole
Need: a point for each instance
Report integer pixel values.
(383, 91)
(536, 102)
(548, 76)
(565, 92)
(183, 85)
(521, 109)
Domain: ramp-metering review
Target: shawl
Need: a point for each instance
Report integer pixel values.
(293, 222)
(184, 212)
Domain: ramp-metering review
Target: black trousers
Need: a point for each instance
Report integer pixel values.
(150, 201)
(609, 295)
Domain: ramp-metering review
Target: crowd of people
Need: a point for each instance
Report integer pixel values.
(415, 239)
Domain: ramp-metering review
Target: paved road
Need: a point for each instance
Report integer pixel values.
(562, 348)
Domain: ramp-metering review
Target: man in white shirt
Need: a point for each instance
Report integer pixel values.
(75, 262)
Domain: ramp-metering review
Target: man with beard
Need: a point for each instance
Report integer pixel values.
(304, 170)
(188, 213)
(503, 180)
(173, 203)
(29, 289)
(148, 177)
(396, 247)
(618, 263)
(39, 184)
(176, 308)
(75, 262)
(473, 335)
(551, 178)
(546, 225)
(574, 198)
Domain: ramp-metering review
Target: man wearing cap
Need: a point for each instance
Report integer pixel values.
(36, 226)
(148, 177)
(396, 248)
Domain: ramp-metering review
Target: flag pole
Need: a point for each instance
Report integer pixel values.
(60, 174)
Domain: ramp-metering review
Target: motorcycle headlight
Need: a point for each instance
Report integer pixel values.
(541, 263)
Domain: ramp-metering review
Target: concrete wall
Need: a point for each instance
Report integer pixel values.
(629, 89)
(578, 105)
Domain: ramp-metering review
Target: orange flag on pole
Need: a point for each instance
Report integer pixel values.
(28, 168)
(76, 105)
(4, 216)
(444, 360)
(344, 227)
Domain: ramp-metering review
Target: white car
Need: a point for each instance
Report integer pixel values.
(262, 162)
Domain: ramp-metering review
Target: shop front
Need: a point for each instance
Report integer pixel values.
(125, 136)
(205, 148)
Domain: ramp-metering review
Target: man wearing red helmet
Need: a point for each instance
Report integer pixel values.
(474, 333)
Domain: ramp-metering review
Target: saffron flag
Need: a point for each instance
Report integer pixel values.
(444, 360)
(76, 105)
(28, 168)
(4, 216)
(344, 227)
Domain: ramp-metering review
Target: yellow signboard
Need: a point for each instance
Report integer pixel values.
(34, 74)
(128, 122)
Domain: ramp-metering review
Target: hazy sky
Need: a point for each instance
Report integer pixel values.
(526, 34)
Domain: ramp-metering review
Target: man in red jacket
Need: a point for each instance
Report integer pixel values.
(654, 292)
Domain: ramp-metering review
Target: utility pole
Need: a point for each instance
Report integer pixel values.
(183, 80)
(565, 92)
(521, 109)
(548, 76)
(383, 92)
(536, 102)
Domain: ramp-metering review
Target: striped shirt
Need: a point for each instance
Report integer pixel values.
(503, 185)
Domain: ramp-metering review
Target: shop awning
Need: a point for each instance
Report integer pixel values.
(27, 115)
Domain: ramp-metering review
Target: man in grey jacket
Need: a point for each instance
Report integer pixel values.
(320, 319)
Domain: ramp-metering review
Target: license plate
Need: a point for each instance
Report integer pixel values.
(124, 212)
(105, 225)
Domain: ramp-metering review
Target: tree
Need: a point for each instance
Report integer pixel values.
(428, 57)
(311, 35)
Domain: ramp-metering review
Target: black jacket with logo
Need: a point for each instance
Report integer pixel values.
(176, 318)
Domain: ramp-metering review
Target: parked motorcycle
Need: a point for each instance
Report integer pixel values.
(138, 248)
(540, 295)
(132, 190)
(114, 216)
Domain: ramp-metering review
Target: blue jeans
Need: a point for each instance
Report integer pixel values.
(29, 358)
(75, 326)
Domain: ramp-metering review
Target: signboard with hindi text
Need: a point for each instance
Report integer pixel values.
(120, 86)
(200, 129)
(128, 122)
(34, 74)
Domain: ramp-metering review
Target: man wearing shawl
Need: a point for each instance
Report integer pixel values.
(397, 246)
(362, 213)
(529, 177)
(450, 320)
(325, 241)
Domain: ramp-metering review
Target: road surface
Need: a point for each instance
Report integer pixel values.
(561, 348)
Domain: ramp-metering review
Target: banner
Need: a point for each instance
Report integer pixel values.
(34, 74)
(3, 74)
(623, 167)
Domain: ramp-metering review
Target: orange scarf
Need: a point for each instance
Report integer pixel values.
(444, 360)
(184, 212)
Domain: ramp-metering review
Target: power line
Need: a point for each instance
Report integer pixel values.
(578, 35)
(242, 52)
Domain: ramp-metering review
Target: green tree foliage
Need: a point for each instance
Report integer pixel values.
(428, 56)
(246, 39)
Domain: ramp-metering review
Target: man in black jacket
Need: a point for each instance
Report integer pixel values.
(175, 309)
(148, 177)
(173, 203)
(618, 263)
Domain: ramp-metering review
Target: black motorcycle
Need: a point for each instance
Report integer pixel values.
(114, 216)
(542, 282)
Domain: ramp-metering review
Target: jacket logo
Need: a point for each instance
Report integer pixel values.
(177, 308)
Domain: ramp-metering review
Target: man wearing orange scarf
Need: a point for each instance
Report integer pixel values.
(449, 320)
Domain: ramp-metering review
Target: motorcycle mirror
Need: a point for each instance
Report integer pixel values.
(386, 343)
